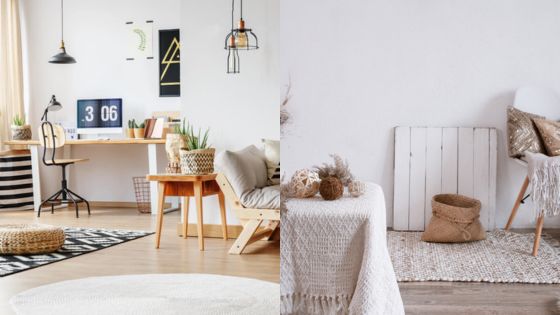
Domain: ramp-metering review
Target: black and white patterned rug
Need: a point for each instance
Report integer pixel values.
(78, 241)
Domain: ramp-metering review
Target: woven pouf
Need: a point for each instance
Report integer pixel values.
(20, 239)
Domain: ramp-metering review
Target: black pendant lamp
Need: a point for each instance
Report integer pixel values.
(62, 57)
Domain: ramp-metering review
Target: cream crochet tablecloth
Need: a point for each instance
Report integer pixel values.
(334, 257)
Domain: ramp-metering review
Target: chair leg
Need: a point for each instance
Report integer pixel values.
(222, 201)
(51, 198)
(69, 195)
(517, 202)
(538, 232)
(243, 239)
(81, 199)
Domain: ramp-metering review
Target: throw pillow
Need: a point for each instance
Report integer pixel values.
(245, 169)
(550, 134)
(272, 154)
(522, 133)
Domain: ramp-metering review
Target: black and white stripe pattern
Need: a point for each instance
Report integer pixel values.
(16, 182)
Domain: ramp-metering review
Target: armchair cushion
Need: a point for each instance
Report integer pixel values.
(262, 198)
(245, 170)
(522, 134)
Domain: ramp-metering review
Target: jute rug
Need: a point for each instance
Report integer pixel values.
(503, 257)
(78, 241)
(162, 294)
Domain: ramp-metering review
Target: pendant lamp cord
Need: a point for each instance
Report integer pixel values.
(62, 18)
(232, 9)
(242, 9)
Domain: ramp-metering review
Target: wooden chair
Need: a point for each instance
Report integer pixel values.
(52, 137)
(251, 219)
(544, 102)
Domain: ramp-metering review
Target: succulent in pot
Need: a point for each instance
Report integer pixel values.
(139, 130)
(197, 157)
(130, 129)
(20, 130)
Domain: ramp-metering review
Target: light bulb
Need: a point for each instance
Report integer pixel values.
(241, 39)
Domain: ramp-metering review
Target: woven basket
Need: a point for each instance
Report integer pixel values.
(142, 192)
(197, 162)
(454, 219)
(20, 239)
(21, 132)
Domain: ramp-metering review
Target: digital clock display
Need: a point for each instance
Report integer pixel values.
(100, 113)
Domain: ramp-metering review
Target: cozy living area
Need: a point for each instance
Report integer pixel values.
(139, 158)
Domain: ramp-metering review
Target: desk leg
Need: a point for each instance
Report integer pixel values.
(200, 223)
(185, 212)
(152, 169)
(222, 201)
(161, 204)
(35, 162)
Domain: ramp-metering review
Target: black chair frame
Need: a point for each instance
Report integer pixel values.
(64, 195)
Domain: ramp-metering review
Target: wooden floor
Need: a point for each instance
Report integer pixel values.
(261, 261)
(481, 298)
(176, 255)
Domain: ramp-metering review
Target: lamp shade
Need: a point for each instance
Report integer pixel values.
(54, 105)
(62, 57)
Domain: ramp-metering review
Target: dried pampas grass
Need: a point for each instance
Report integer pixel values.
(339, 169)
(284, 113)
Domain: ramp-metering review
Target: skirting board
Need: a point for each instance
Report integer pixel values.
(211, 230)
(118, 204)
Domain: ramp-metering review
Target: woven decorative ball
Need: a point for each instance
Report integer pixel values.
(18, 239)
(305, 183)
(356, 188)
(331, 188)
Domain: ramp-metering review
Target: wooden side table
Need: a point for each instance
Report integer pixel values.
(187, 186)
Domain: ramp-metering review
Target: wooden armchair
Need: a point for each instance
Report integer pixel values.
(251, 219)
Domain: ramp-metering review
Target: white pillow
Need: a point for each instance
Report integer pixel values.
(272, 154)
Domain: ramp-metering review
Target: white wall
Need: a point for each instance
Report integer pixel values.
(358, 68)
(239, 109)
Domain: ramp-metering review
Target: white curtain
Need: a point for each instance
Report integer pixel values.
(11, 73)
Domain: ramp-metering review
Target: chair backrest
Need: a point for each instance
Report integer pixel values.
(51, 136)
(538, 101)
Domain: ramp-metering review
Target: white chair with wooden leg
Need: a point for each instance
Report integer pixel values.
(543, 102)
(243, 181)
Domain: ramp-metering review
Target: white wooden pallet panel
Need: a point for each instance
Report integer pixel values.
(433, 160)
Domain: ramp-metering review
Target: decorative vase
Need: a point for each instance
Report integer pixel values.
(139, 133)
(197, 162)
(356, 188)
(305, 183)
(130, 132)
(173, 144)
(331, 188)
(21, 132)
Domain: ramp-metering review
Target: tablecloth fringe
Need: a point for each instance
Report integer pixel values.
(299, 303)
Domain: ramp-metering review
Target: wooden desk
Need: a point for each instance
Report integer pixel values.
(187, 186)
(34, 147)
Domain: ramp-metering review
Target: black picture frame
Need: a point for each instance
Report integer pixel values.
(169, 63)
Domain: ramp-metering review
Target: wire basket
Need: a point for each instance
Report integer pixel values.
(142, 192)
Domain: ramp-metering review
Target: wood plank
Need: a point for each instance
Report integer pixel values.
(481, 167)
(492, 178)
(417, 179)
(92, 141)
(465, 162)
(180, 177)
(433, 169)
(449, 160)
(402, 178)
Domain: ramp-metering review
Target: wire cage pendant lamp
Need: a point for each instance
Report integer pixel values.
(240, 38)
(62, 57)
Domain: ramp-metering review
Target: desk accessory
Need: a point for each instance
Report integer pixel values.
(20, 130)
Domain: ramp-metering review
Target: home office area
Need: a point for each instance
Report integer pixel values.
(139, 155)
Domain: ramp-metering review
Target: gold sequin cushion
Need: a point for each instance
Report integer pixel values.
(550, 133)
(522, 133)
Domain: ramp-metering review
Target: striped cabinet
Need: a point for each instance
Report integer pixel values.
(430, 161)
(16, 182)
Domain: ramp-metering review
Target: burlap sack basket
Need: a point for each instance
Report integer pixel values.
(455, 219)
(197, 162)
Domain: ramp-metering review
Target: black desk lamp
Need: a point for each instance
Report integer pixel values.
(53, 106)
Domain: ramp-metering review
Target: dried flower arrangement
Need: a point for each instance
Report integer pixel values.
(284, 113)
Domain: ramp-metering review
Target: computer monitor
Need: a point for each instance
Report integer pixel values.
(100, 116)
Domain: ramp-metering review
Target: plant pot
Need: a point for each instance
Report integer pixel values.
(139, 133)
(197, 162)
(21, 132)
(173, 144)
(130, 132)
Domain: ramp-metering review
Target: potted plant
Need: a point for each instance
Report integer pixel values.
(174, 141)
(20, 131)
(139, 130)
(197, 157)
(130, 130)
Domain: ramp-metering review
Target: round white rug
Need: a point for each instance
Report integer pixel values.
(160, 294)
